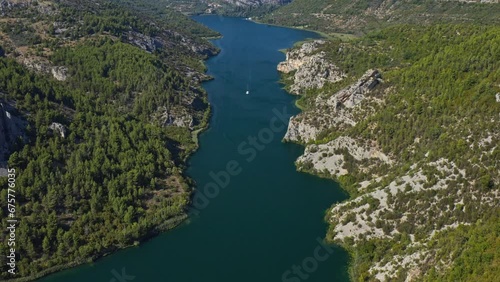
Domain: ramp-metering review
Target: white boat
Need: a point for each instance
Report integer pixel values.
(248, 92)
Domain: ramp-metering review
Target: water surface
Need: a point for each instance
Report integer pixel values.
(269, 217)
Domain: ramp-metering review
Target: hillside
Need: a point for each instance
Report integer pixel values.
(406, 119)
(238, 8)
(362, 16)
(99, 104)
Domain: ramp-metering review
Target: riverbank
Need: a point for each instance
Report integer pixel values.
(230, 234)
(171, 224)
(341, 36)
(399, 172)
(287, 81)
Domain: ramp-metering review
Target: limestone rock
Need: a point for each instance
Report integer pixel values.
(311, 68)
(354, 94)
(39, 65)
(164, 40)
(329, 157)
(59, 129)
(142, 41)
(300, 131)
(332, 112)
(44, 66)
(6, 6)
(60, 73)
(176, 117)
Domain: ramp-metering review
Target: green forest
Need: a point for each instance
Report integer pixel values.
(451, 82)
(220, 7)
(115, 177)
(364, 16)
(110, 182)
(444, 96)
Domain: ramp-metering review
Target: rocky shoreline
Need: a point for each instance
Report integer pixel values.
(385, 197)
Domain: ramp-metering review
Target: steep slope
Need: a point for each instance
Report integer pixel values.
(111, 97)
(361, 16)
(411, 132)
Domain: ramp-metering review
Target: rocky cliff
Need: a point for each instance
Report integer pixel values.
(335, 111)
(309, 69)
(406, 197)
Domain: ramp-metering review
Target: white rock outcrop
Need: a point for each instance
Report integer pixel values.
(328, 157)
(44, 66)
(333, 111)
(311, 68)
(179, 117)
(60, 73)
(59, 129)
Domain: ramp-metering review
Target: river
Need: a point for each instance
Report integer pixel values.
(260, 220)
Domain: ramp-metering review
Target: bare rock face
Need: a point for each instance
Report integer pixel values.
(295, 58)
(43, 7)
(333, 111)
(299, 130)
(329, 157)
(142, 41)
(44, 66)
(311, 68)
(5, 5)
(179, 117)
(354, 94)
(59, 129)
(60, 73)
(40, 65)
(150, 44)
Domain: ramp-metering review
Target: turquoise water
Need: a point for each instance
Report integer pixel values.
(259, 217)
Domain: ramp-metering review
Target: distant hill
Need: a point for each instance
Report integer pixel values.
(360, 16)
(225, 7)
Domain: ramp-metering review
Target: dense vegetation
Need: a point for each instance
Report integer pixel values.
(362, 16)
(246, 11)
(102, 187)
(164, 11)
(438, 103)
(475, 250)
(120, 73)
(455, 78)
(221, 7)
(115, 177)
